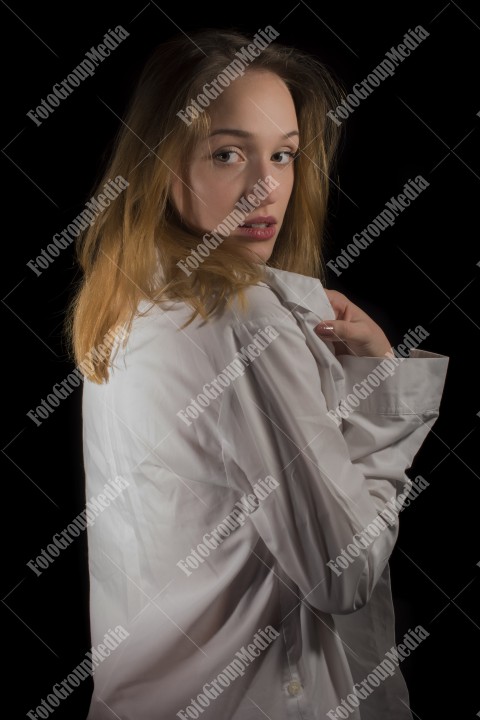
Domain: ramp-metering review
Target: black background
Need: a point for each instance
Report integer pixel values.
(423, 271)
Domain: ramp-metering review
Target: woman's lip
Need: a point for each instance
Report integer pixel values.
(265, 233)
(269, 219)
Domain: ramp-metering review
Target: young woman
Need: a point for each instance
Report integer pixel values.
(250, 461)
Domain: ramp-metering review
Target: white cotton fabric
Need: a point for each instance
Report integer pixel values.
(329, 483)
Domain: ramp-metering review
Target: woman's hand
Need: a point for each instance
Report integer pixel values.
(352, 332)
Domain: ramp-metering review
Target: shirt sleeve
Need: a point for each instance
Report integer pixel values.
(332, 480)
(379, 432)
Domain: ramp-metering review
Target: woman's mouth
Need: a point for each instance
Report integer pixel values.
(258, 228)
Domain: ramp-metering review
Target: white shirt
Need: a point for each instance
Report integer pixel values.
(231, 608)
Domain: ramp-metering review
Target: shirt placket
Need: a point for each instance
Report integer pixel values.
(293, 688)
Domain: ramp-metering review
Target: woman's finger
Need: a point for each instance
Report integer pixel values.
(343, 330)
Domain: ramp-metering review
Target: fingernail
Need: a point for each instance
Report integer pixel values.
(324, 328)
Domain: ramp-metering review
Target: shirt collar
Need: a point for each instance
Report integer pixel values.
(299, 292)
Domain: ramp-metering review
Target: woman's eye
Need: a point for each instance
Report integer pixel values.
(226, 157)
(229, 157)
(287, 156)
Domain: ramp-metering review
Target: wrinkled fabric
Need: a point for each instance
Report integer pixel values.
(231, 609)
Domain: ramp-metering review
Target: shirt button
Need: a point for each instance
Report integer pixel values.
(294, 687)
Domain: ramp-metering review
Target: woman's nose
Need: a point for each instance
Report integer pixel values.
(265, 176)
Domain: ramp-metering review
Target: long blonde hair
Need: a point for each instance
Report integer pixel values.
(139, 231)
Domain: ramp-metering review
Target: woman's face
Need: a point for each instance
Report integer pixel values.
(254, 134)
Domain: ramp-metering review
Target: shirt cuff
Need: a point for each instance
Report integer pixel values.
(396, 386)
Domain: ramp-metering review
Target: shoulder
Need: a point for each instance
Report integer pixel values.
(161, 334)
(261, 302)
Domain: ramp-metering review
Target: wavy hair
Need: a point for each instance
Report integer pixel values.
(130, 253)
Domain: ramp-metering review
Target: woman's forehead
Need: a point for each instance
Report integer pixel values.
(253, 103)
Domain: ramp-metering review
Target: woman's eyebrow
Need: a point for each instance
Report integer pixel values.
(244, 133)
